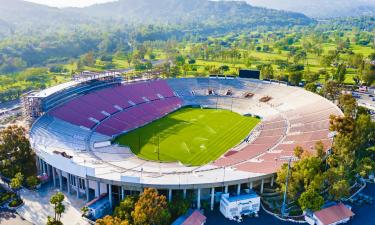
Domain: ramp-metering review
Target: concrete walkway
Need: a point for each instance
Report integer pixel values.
(37, 207)
(9, 217)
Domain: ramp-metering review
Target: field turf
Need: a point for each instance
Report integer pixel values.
(192, 136)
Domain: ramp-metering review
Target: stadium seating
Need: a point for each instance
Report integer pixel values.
(120, 109)
(288, 119)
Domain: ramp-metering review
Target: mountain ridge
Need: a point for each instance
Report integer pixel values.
(322, 9)
(19, 14)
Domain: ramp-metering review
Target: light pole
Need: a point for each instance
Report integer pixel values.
(289, 159)
(331, 135)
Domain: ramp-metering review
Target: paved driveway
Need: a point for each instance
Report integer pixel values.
(8, 217)
(37, 207)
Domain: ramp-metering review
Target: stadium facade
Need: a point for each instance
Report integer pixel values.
(73, 125)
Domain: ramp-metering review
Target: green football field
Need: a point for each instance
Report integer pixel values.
(191, 136)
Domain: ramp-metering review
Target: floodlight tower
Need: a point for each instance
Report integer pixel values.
(289, 159)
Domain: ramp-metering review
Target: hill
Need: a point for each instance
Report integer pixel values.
(22, 16)
(18, 15)
(192, 11)
(322, 8)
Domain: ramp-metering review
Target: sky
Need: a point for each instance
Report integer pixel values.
(69, 3)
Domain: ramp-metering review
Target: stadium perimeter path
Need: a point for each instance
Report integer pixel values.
(37, 207)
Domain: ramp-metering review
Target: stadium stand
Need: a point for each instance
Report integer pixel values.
(87, 115)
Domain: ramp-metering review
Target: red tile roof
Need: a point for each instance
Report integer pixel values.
(196, 218)
(333, 214)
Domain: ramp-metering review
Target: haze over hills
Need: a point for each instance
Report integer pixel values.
(18, 14)
(187, 11)
(322, 8)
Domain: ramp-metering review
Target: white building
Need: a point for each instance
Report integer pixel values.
(237, 206)
(333, 215)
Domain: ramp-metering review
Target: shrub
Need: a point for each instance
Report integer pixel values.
(5, 197)
(32, 181)
(16, 202)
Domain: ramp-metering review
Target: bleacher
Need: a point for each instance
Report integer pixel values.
(293, 117)
(288, 118)
(116, 110)
(52, 132)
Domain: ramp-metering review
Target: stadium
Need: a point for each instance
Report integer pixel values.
(100, 135)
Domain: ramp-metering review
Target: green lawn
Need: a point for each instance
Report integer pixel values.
(191, 136)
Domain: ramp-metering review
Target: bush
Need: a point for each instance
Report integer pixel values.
(32, 181)
(52, 221)
(5, 197)
(16, 202)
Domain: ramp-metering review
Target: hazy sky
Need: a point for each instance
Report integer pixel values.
(69, 3)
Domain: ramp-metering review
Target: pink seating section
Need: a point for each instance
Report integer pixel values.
(268, 152)
(119, 109)
(138, 116)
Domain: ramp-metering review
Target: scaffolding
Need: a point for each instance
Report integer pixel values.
(31, 106)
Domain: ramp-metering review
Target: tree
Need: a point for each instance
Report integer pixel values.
(368, 75)
(88, 59)
(372, 56)
(57, 201)
(16, 152)
(295, 77)
(298, 151)
(224, 68)
(331, 90)
(16, 182)
(175, 71)
(186, 68)
(129, 58)
(267, 71)
(304, 174)
(310, 199)
(85, 210)
(180, 60)
(109, 220)
(151, 208)
(311, 87)
(32, 181)
(319, 149)
(192, 61)
(179, 206)
(339, 190)
(348, 105)
(311, 77)
(342, 124)
(365, 167)
(339, 74)
(124, 210)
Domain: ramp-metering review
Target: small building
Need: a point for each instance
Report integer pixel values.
(331, 215)
(233, 207)
(191, 218)
(98, 207)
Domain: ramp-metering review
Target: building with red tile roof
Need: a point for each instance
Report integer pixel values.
(194, 218)
(332, 215)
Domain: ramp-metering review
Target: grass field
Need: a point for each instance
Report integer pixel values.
(191, 136)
